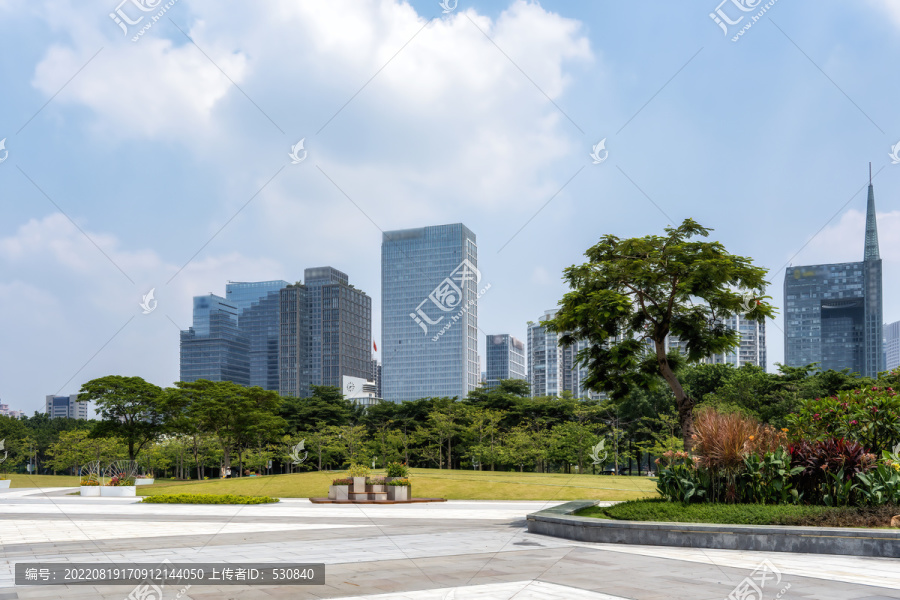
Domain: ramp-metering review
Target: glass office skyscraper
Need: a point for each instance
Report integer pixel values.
(833, 313)
(214, 347)
(505, 359)
(258, 317)
(429, 312)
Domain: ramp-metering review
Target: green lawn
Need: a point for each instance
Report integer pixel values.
(42, 481)
(431, 483)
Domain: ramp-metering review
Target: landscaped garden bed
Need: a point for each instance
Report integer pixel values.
(660, 510)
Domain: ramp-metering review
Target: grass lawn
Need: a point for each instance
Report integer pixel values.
(430, 483)
(42, 481)
(744, 514)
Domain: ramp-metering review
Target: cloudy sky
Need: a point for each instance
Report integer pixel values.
(161, 159)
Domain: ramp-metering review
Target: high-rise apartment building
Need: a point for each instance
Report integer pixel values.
(429, 312)
(892, 346)
(833, 312)
(546, 361)
(505, 359)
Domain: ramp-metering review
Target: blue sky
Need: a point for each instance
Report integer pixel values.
(129, 160)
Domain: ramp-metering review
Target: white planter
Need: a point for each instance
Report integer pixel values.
(118, 491)
(144, 481)
(90, 490)
(359, 485)
(398, 492)
(4, 483)
(341, 492)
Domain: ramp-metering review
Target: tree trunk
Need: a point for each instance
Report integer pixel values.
(684, 403)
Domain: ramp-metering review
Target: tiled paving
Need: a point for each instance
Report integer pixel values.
(454, 550)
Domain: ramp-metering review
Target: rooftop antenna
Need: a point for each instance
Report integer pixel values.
(870, 173)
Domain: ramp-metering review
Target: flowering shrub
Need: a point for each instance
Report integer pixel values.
(870, 417)
(89, 481)
(342, 481)
(881, 485)
(120, 479)
(374, 480)
(404, 482)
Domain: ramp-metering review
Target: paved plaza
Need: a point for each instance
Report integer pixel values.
(454, 550)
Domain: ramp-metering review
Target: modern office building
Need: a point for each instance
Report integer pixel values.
(833, 312)
(505, 359)
(326, 332)
(214, 348)
(360, 391)
(295, 373)
(892, 346)
(429, 312)
(258, 320)
(376, 376)
(66, 407)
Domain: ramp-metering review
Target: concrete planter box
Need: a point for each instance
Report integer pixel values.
(90, 490)
(4, 484)
(146, 481)
(374, 488)
(359, 485)
(339, 492)
(398, 492)
(118, 491)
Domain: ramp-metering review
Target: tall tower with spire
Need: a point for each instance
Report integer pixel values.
(833, 313)
(874, 299)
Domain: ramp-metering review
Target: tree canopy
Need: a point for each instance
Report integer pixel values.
(632, 294)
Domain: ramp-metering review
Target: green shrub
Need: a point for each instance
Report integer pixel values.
(342, 481)
(359, 470)
(396, 469)
(207, 499)
(745, 514)
(399, 482)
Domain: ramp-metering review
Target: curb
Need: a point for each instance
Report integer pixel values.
(561, 522)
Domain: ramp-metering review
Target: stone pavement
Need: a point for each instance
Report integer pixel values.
(454, 550)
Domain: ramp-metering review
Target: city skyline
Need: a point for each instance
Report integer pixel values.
(139, 167)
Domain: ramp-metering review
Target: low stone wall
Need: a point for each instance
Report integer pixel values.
(560, 522)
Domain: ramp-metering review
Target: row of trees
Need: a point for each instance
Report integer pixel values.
(202, 428)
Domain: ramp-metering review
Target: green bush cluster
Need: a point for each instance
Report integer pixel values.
(396, 469)
(207, 499)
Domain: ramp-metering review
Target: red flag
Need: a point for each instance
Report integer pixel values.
(374, 346)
